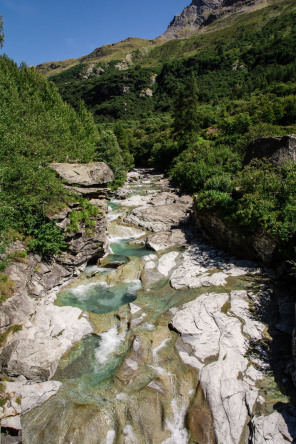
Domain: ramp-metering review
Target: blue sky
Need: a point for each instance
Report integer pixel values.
(39, 31)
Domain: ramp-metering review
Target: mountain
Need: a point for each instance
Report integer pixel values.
(122, 51)
(202, 12)
(191, 18)
(195, 18)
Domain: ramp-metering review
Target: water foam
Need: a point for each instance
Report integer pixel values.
(179, 434)
(156, 350)
(110, 340)
(111, 435)
(81, 292)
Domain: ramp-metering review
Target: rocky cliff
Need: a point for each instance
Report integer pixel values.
(203, 12)
(259, 247)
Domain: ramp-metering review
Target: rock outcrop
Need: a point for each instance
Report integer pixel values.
(259, 247)
(85, 175)
(45, 332)
(203, 12)
(165, 211)
(276, 149)
(191, 18)
(88, 179)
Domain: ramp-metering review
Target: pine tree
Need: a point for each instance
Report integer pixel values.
(185, 113)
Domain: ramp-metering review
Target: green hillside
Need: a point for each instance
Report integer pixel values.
(191, 106)
(188, 106)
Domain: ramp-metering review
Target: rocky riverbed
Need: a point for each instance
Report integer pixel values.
(171, 340)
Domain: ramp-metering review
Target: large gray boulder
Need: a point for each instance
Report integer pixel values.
(277, 149)
(84, 174)
(162, 213)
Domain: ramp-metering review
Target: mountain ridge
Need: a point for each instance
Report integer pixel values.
(202, 13)
(194, 18)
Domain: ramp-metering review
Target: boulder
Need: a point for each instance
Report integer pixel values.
(84, 174)
(277, 149)
(163, 240)
(163, 212)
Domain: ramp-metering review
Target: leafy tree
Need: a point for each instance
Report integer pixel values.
(124, 139)
(108, 151)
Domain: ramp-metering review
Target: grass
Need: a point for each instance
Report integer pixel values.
(12, 329)
(7, 287)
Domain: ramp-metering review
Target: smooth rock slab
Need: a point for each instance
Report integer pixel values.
(218, 348)
(167, 262)
(164, 239)
(199, 268)
(35, 351)
(24, 396)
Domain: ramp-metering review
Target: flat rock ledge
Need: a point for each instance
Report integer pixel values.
(84, 174)
(205, 266)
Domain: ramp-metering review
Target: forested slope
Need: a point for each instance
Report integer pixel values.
(36, 128)
(192, 106)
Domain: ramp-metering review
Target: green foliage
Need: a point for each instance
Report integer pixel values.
(215, 200)
(45, 237)
(109, 151)
(205, 165)
(185, 113)
(36, 128)
(83, 217)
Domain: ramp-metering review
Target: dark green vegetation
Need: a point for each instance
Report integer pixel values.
(36, 128)
(190, 107)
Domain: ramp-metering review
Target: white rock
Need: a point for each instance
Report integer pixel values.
(271, 429)
(134, 308)
(167, 262)
(150, 265)
(136, 200)
(24, 396)
(229, 383)
(38, 348)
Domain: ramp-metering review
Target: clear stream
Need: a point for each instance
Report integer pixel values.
(124, 383)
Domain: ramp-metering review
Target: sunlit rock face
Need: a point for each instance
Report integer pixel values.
(191, 18)
(201, 13)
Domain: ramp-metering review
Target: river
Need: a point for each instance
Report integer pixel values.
(175, 354)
